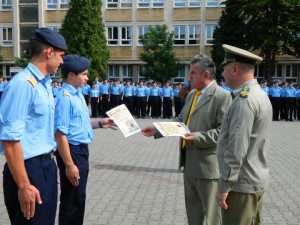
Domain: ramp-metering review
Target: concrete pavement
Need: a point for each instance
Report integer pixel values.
(135, 181)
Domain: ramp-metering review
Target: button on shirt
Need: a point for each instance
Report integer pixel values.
(27, 113)
(72, 116)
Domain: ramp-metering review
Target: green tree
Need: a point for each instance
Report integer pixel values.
(84, 32)
(158, 54)
(23, 60)
(227, 33)
(269, 27)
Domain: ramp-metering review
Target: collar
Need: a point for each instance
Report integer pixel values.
(205, 89)
(37, 74)
(71, 89)
(237, 91)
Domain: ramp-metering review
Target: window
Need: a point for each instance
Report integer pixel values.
(194, 3)
(112, 35)
(294, 71)
(179, 3)
(144, 3)
(209, 33)
(194, 35)
(142, 30)
(113, 71)
(126, 35)
(279, 70)
(126, 3)
(112, 3)
(29, 14)
(58, 4)
(157, 3)
(127, 70)
(7, 36)
(64, 4)
(179, 35)
(212, 3)
(6, 4)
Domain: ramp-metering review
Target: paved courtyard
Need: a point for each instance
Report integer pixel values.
(135, 181)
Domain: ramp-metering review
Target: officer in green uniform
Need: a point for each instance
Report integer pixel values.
(243, 142)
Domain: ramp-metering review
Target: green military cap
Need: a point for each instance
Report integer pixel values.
(234, 54)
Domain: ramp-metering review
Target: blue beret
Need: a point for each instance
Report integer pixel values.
(75, 63)
(50, 37)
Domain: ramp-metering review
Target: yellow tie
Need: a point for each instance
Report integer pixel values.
(194, 103)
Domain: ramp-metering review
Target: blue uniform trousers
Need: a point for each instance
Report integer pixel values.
(72, 199)
(42, 173)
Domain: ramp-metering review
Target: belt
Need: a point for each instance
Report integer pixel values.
(41, 157)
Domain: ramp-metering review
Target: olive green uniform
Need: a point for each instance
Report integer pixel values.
(242, 148)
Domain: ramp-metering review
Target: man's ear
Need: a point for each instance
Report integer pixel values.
(49, 52)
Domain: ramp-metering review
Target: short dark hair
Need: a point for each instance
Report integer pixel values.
(206, 64)
(36, 47)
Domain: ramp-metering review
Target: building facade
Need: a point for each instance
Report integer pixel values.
(192, 21)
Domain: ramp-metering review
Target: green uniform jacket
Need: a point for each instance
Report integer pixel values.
(244, 141)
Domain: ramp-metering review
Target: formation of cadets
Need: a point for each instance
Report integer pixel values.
(285, 99)
(145, 99)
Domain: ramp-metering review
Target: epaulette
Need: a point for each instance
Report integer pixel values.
(32, 81)
(244, 92)
(67, 94)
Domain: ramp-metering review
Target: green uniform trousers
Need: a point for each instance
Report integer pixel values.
(200, 201)
(243, 209)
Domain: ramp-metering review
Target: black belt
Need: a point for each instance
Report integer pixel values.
(41, 157)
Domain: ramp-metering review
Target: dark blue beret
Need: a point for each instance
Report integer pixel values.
(75, 63)
(50, 37)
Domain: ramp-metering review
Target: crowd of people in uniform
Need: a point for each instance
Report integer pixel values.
(285, 99)
(143, 99)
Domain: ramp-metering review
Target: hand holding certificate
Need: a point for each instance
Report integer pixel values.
(171, 128)
(124, 120)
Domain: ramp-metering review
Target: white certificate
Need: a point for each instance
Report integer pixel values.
(124, 120)
(171, 128)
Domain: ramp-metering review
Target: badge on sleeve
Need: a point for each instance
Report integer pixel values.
(66, 93)
(244, 92)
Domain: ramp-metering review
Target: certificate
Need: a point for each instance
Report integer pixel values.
(171, 128)
(124, 120)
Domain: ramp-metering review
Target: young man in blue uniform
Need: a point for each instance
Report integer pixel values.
(73, 134)
(27, 134)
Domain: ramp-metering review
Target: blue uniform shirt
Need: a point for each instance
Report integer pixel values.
(274, 92)
(115, 90)
(154, 91)
(128, 91)
(283, 92)
(175, 92)
(141, 91)
(94, 92)
(265, 89)
(55, 90)
(27, 112)
(167, 91)
(290, 92)
(72, 116)
(104, 89)
(2, 86)
(86, 89)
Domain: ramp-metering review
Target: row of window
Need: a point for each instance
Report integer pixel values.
(123, 35)
(114, 4)
(183, 34)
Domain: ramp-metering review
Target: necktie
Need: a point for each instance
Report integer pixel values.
(194, 103)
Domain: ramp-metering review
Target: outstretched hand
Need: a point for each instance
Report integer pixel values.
(108, 123)
(148, 131)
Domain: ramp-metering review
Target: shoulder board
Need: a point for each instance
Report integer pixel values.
(244, 92)
(67, 94)
(32, 81)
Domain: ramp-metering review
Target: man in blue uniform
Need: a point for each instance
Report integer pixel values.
(86, 93)
(274, 94)
(73, 134)
(27, 134)
(2, 86)
(167, 94)
(105, 97)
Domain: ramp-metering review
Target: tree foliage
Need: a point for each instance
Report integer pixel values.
(23, 60)
(269, 27)
(158, 54)
(84, 32)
